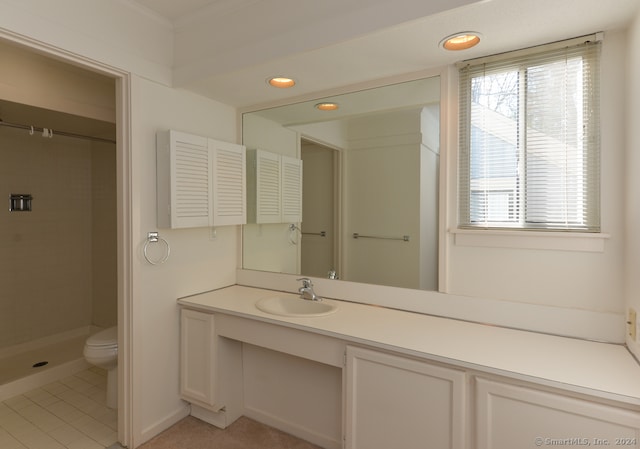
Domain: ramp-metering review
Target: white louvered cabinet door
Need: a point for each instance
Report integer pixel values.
(228, 183)
(291, 189)
(264, 187)
(183, 192)
(200, 182)
(274, 188)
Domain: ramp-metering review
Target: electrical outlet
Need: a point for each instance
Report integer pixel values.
(631, 324)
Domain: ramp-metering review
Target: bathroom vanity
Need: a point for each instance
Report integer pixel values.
(367, 377)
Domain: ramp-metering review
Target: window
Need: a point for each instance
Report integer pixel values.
(529, 140)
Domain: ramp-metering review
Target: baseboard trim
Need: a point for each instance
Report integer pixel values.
(217, 419)
(163, 424)
(292, 429)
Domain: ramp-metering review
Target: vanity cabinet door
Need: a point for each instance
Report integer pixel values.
(401, 403)
(198, 351)
(509, 416)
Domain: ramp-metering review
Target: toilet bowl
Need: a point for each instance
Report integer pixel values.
(101, 349)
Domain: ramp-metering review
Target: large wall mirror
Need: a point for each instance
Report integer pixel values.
(369, 188)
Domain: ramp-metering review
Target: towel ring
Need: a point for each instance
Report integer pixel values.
(153, 237)
(293, 235)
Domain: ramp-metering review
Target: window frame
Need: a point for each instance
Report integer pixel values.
(521, 61)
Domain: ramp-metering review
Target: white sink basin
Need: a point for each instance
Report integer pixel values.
(294, 306)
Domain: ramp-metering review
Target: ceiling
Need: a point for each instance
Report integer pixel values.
(226, 49)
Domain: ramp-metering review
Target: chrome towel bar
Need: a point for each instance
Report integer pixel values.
(321, 233)
(404, 238)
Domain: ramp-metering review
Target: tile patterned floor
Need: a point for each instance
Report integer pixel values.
(67, 414)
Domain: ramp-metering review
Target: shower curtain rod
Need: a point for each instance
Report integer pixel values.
(54, 132)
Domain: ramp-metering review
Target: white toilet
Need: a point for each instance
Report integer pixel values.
(101, 349)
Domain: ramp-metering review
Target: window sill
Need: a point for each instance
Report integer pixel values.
(559, 241)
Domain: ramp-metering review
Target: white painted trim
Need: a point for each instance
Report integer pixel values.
(561, 241)
(291, 428)
(448, 142)
(218, 419)
(163, 424)
(576, 323)
(126, 374)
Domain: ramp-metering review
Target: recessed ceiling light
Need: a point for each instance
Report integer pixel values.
(327, 106)
(460, 41)
(281, 82)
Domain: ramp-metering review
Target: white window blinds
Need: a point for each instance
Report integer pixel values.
(530, 141)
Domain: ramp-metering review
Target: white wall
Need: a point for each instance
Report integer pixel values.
(382, 173)
(632, 187)
(560, 278)
(197, 263)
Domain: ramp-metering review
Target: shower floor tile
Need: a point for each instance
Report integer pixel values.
(22, 364)
(67, 414)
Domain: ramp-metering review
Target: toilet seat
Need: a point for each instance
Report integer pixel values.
(107, 338)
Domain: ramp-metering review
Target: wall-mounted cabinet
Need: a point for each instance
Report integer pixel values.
(274, 188)
(200, 182)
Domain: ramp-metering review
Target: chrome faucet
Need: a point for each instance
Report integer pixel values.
(306, 291)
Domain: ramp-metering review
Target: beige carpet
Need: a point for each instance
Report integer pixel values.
(191, 433)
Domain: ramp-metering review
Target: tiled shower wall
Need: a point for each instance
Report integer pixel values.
(57, 262)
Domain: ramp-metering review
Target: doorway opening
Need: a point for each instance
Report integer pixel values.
(320, 256)
(49, 152)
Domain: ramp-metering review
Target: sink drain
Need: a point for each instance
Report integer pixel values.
(39, 364)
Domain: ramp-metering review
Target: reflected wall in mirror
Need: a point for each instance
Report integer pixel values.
(369, 187)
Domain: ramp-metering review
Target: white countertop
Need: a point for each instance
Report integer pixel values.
(601, 369)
